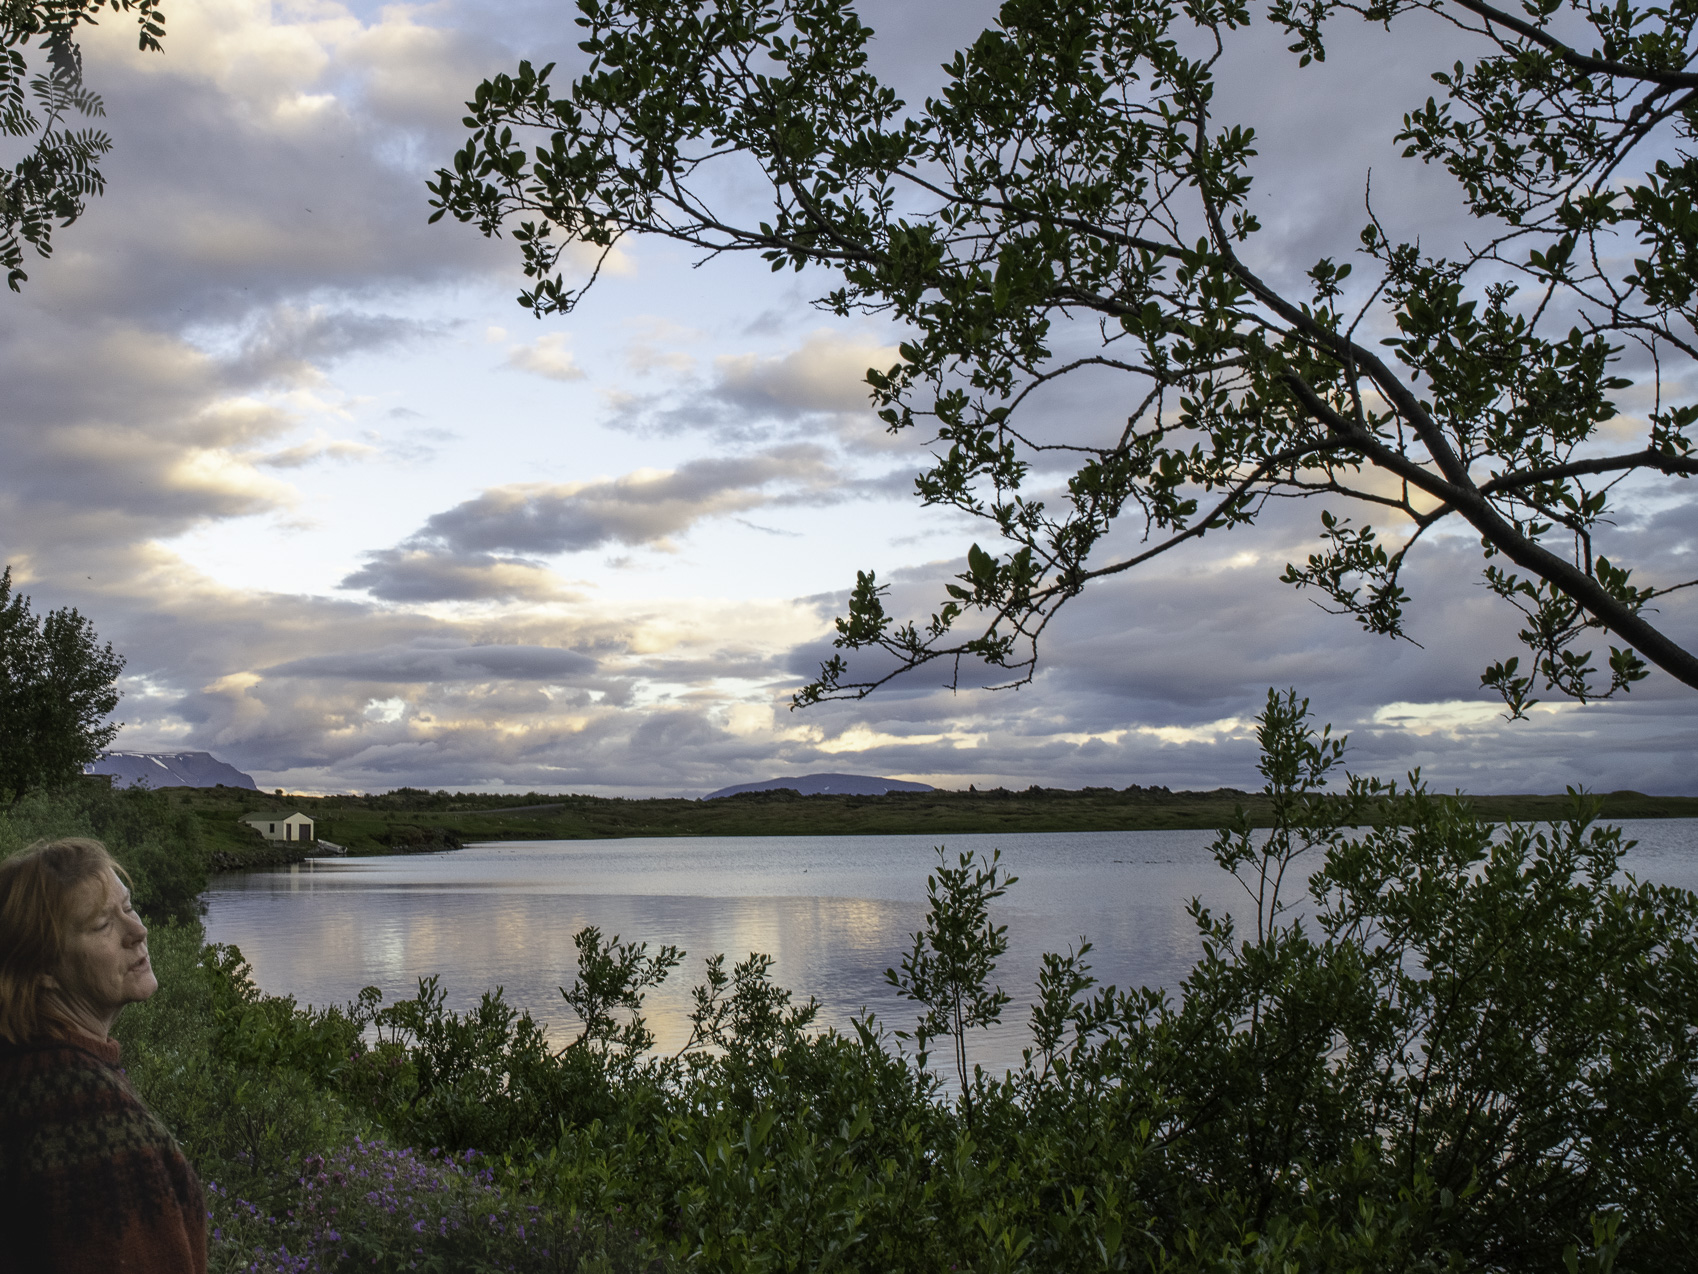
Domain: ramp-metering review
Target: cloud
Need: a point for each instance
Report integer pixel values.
(817, 386)
(293, 344)
(311, 694)
(255, 232)
(641, 508)
(826, 373)
(546, 356)
(417, 75)
(423, 575)
(652, 346)
(1154, 676)
(431, 662)
(156, 440)
(317, 449)
(1148, 681)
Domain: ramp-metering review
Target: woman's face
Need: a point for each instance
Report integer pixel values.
(106, 964)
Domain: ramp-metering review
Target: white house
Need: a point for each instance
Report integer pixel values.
(289, 827)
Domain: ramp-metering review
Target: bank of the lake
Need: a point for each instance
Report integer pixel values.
(410, 820)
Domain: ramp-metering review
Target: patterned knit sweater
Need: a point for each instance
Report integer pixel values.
(90, 1181)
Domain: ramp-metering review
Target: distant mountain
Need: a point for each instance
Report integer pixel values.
(169, 769)
(835, 784)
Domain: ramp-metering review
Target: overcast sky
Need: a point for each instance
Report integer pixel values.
(358, 521)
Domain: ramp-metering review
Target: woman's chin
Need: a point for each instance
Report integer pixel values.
(141, 986)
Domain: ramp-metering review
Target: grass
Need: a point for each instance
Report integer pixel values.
(412, 819)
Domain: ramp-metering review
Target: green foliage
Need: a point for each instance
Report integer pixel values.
(158, 842)
(58, 174)
(1070, 203)
(56, 691)
(954, 956)
(1477, 1037)
(485, 1078)
(752, 1023)
(612, 976)
(244, 1116)
(266, 1098)
(371, 1206)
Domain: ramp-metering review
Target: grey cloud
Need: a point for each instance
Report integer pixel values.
(275, 683)
(418, 76)
(1194, 643)
(419, 662)
(778, 532)
(501, 702)
(145, 448)
(119, 428)
(1672, 531)
(635, 509)
(179, 242)
(816, 386)
(421, 575)
(119, 434)
(290, 343)
(825, 373)
(743, 663)
(319, 449)
(418, 445)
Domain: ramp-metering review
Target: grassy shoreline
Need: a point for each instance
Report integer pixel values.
(411, 820)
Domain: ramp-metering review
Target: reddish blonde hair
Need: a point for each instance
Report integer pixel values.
(38, 891)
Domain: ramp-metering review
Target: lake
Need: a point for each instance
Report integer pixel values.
(834, 911)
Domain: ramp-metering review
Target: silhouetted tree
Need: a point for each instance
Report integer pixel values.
(57, 687)
(1071, 205)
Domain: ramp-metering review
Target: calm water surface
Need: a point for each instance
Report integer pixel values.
(835, 912)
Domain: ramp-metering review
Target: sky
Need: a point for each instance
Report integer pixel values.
(358, 521)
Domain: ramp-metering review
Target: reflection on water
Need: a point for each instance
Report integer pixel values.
(835, 912)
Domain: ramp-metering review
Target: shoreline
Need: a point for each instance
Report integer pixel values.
(425, 822)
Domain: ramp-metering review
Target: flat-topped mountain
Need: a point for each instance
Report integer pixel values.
(823, 784)
(170, 769)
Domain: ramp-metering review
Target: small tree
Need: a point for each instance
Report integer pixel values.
(57, 687)
(949, 969)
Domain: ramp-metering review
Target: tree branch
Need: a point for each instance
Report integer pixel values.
(1579, 61)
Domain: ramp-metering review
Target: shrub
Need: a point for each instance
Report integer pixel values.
(158, 844)
(244, 1115)
(372, 1206)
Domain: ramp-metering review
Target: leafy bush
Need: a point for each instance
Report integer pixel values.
(245, 1114)
(159, 844)
(372, 1206)
(266, 1098)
